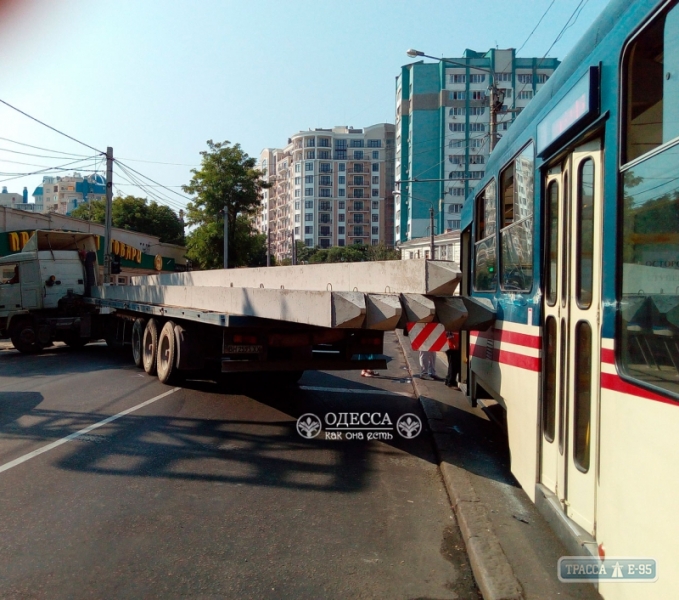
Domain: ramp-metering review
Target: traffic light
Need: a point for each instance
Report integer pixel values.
(115, 264)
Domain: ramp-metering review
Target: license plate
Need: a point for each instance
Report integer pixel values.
(242, 349)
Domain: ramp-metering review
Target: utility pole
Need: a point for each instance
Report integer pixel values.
(493, 117)
(226, 237)
(294, 248)
(432, 246)
(109, 215)
(268, 245)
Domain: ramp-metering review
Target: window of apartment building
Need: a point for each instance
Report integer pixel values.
(358, 205)
(340, 242)
(376, 180)
(375, 204)
(341, 167)
(324, 142)
(309, 167)
(325, 168)
(478, 95)
(524, 78)
(525, 95)
(503, 126)
(358, 218)
(324, 179)
(309, 179)
(341, 180)
(341, 205)
(325, 242)
(308, 204)
(375, 218)
(477, 159)
(340, 154)
(308, 191)
(340, 230)
(308, 242)
(308, 229)
(296, 230)
(298, 205)
(376, 154)
(374, 143)
(458, 127)
(358, 168)
(476, 174)
(297, 219)
(454, 224)
(477, 77)
(456, 159)
(477, 110)
(358, 193)
(341, 192)
(375, 230)
(325, 192)
(458, 95)
(454, 78)
(358, 230)
(310, 154)
(358, 154)
(374, 193)
(477, 127)
(456, 143)
(298, 181)
(457, 192)
(376, 167)
(298, 193)
(456, 111)
(454, 208)
(358, 179)
(503, 77)
(356, 143)
(340, 144)
(310, 142)
(298, 167)
(456, 175)
(542, 77)
(341, 217)
(309, 217)
(324, 154)
(324, 205)
(477, 143)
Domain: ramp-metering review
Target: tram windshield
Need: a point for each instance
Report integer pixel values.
(650, 206)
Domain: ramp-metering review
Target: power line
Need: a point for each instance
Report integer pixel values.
(41, 148)
(530, 35)
(50, 127)
(156, 196)
(182, 196)
(43, 171)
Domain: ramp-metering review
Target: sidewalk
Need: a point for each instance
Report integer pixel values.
(512, 550)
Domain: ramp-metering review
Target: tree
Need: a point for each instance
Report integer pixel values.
(226, 181)
(381, 252)
(136, 214)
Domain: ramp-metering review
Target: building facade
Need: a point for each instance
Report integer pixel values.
(442, 131)
(64, 194)
(18, 201)
(329, 187)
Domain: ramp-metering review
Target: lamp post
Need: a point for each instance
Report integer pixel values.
(496, 96)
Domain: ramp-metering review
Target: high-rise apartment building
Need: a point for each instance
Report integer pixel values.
(443, 126)
(330, 187)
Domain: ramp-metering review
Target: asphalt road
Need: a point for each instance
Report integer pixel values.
(209, 491)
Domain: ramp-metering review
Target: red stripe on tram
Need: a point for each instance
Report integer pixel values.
(613, 382)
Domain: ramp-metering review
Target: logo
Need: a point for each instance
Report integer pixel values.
(578, 569)
(409, 426)
(308, 426)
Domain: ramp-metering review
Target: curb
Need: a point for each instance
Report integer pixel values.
(492, 571)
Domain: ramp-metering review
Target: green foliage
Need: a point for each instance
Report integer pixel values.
(381, 252)
(136, 214)
(355, 253)
(227, 179)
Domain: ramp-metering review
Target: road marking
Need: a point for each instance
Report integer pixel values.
(86, 430)
(316, 388)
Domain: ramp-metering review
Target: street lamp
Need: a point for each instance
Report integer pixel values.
(496, 95)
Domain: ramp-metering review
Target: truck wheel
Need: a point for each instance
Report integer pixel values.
(24, 337)
(150, 350)
(137, 342)
(167, 352)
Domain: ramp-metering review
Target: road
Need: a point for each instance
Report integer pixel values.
(209, 491)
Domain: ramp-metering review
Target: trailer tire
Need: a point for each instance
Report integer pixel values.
(138, 342)
(167, 354)
(24, 336)
(150, 349)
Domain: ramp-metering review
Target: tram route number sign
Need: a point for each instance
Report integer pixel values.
(579, 569)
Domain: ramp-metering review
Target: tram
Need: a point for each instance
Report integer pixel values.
(573, 235)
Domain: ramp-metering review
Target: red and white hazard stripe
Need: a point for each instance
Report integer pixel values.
(427, 336)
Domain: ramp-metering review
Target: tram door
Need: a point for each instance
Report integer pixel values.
(571, 333)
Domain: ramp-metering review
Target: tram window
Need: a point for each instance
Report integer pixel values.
(563, 397)
(517, 218)
(485, 251)
(549, 393)
(585, 234)
(552, 241)
(565, 248)
(648, 334)
(582, 410)
(652, 86)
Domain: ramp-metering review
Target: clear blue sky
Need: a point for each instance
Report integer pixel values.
(155, 79)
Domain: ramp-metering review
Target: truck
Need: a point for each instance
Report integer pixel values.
(283, 319)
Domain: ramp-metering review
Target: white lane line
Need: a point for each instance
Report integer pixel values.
(315, 388)
(68, 438)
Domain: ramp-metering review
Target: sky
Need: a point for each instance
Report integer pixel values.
(156, 79)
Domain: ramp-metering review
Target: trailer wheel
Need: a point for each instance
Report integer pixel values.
(167, 352)
(24, 336)
(150, 350)
(137, 342)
